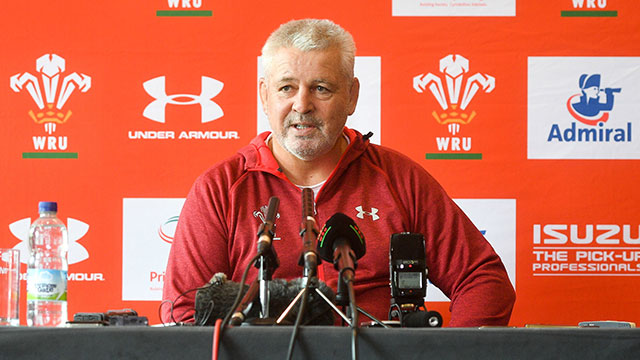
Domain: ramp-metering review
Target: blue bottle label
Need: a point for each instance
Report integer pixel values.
(46, 284)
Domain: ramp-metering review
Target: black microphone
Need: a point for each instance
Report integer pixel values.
(309, 232)
(422, 319)
(267, 229)
(248, 300)
(214, 300)
(341, 242)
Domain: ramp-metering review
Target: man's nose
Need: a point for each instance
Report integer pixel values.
(303, 102)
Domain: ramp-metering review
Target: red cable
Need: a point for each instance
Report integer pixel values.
(216, 339)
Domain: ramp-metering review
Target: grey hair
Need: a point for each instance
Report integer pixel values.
(311, 34)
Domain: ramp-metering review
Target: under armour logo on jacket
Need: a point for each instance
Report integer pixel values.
(156, 109)
(373, 213)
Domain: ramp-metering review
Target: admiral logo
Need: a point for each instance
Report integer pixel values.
(583, 108)
(155, 111)
(184, 8)
(77, 252)
(586, 250)
(589, 8)
(50, 109)
(587, 106)
(461, 89)
(591, 107)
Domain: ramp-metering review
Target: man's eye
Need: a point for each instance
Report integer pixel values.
(321, 89)
(285, 88)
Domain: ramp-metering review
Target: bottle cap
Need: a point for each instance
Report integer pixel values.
(47, 206)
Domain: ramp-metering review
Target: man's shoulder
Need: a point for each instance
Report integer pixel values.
(233, 167)
(398, 167)
(224, 171)
(387, 157)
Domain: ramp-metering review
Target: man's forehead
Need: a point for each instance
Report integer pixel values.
(293, 64)
(286, 78)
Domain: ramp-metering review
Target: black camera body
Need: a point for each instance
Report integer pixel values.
(408, 268)
(408, 281)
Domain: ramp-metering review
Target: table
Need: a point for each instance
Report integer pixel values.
(321, 342)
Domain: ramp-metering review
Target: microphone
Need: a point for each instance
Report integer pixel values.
(309, 232)
(422, 319)
(213, 301)
(341, 242)
(248, 300)
(267, 229)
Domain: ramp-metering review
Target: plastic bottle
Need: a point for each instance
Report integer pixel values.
(47, 269)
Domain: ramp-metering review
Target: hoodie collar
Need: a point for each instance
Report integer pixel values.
(258, 156)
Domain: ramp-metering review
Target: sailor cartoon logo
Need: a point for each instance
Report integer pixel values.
(593, 104)
(591, 107)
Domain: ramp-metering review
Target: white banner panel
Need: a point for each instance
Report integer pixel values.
(496, 219)
(583, 108)
(454, 8)
(148, 229)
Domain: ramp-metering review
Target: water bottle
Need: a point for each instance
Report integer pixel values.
(47, 269)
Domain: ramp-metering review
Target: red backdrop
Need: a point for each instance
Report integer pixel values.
(122, 44)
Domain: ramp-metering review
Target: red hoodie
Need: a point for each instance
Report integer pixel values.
(219, 221)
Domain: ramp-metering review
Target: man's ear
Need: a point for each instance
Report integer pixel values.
(262, 84)
(353, 95)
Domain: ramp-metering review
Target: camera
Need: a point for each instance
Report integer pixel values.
(408, 281)
(407, 268)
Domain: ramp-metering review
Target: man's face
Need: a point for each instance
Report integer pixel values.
(307, 99)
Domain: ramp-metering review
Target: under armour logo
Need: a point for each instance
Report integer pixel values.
(373, 213)
(77, 229)
(156, 88)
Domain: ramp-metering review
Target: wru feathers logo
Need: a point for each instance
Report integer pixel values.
(454, 67)
(57, 90)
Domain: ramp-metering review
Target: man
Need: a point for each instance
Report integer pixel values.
(308, 92)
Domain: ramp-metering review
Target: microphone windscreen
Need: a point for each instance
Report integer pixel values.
(214, 300)
(340, 226)
(318, 311)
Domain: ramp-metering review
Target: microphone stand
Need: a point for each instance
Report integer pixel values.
(309, 259)
(342, 299)
(268, 260)
(267, 263)
(311, 284)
